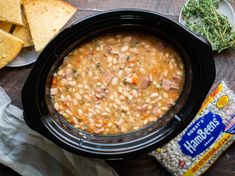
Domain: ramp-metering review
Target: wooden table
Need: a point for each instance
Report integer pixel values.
(12, 80)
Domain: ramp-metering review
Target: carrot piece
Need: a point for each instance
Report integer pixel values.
(83, 118)
(135, 80)
(144, 116)
(105, 123)
(54, 82)
(132, 62)
(65, 104)
(78, 61)
(71, 121)
(154, 70)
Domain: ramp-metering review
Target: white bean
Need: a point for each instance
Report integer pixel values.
(78, 96)
(119, 74)
(132, 65)
(179, 73)
(80, 112)
(125, 94)
(75, 102)
(155, 94)
(150, 107)
(109, 59)
(90, 74)
(107, 109)
(122, 97)
(68, 97)
(127, 39)
(64, 81)
(128, 80)
(165, 73)
(62, 97)
(118, 101)
(164, 108)
(114, 61)
(130, 97)
(124, 49)
(134, 93)
(120, 90)
(135, 50)
(68, 112)
(72, 83)
(147, 100)
(142, 70)
(114, 81)
(56, 106)
(165, 95)
(54, 91)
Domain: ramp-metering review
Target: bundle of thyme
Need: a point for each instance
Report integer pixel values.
(202, 17)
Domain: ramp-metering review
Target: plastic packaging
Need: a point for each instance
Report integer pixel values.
(210, 133)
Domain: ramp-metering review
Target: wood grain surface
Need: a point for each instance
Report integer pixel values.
(12, 80)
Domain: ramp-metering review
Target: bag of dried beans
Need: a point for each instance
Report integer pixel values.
(209, 134)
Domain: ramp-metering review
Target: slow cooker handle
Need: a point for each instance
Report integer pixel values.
(204, 50)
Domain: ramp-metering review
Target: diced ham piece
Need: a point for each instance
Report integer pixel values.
(142, 109)
(108, 76)
(174, 86)
(100, 93)
(170, 102)
(98, 102)
(119, 122)
(146, 82)
(99, 90)
(109, 50)
(155, 111)
(161, 45)
(166, 84)
(68, 74)
(177, 78)
(99, 130)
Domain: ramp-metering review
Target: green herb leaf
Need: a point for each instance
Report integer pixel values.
(98, 65)
(203, 17)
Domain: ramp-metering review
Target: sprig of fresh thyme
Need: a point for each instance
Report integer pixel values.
(202, 17)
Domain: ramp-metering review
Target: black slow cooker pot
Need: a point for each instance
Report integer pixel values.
(40, 115)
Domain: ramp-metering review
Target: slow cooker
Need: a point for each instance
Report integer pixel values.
(195, 52)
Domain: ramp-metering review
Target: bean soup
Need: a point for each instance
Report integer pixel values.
(117, 83)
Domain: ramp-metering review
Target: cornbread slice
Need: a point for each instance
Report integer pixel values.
(22, 32)
(10, 11)
(10, 47)
(5, 26)
(46, 18)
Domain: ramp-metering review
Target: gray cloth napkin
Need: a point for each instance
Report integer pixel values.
(30, 154)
